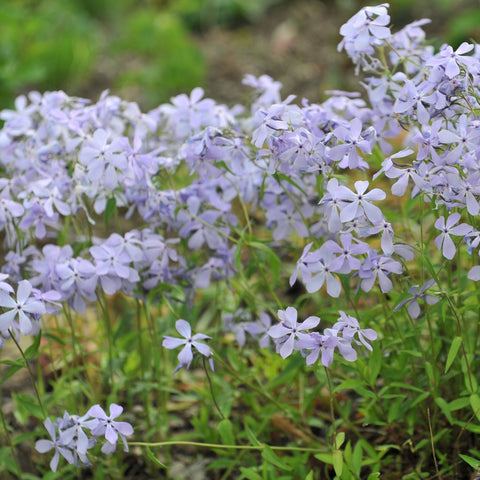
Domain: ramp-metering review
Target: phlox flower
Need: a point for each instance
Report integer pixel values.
(55, 443)
(4, 286)
(325, 345)
(417, 293)
(450, 60)
(185, 356)
(260, 328)
(288, 331)
(443, 242)
(109, 427)
(359, 203)
(332, 206)
(21, 309)
(350, 327)
(364, 30)
(268, 90)
(322, 271)
(346, 250)
(375, 267)
(72, 430)
(346, 152)
(73, 435)
(302, 266)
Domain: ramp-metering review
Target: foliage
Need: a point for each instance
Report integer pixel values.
(200, 14)
(31, 53)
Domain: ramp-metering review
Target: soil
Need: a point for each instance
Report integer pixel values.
(294, 43)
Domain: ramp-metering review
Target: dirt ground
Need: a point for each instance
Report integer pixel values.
(295, 43)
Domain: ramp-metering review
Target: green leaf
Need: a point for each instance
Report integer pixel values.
(458, 403)
(251, 436)
(282, 176)
(357, 458)
(270, 457)
(226, 432)
(337, 462)
(250, 474)
(7, 460)
(325, 458)
(15, 366)
(475, 404)
(28, 404)
(350, 384)
(429, 371)
(154, 459)
(109, 209)
(32, 350)
(339, 439)
(374, 365)
(444, 408)
(23, 437)
(473, 462)
(452, 353)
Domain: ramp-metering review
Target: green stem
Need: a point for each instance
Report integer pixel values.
(9, 438)
(102, 300)
(332, 410)
(32, 377)
(142, 350)
(459, 328)
(222, 416)
(225, 447)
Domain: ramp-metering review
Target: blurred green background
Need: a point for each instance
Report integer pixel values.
(148, 51)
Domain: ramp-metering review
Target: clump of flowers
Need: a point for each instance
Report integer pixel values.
(71, 436)
(280, 167)
(289, 335)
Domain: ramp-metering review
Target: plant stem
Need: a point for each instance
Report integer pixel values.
(9, 438)
(225, 447)
(32, 378)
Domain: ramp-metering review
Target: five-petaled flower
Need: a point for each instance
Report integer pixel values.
(443, 242)
(185, 356)
(288, 331)
(21, 309)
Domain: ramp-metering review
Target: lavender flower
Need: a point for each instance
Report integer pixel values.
(417, 293)
(288, 331)
(359, 203)
(55, 443)
(450, 60)
(21, 309)
(364, 31)
(106, 425)
(443, 242)
(185, 356)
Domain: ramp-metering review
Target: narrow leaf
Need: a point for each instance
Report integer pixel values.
(250, 474)
(475, 404)
(270, 457)
(32, 350)
(473, 462)
(337, 462)
(226, 432)
(154, 459)
(109, 208)
(452, 353)
(15, 366)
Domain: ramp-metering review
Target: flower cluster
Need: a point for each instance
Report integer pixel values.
(195, 176)
(289, 335)
(71, 436)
